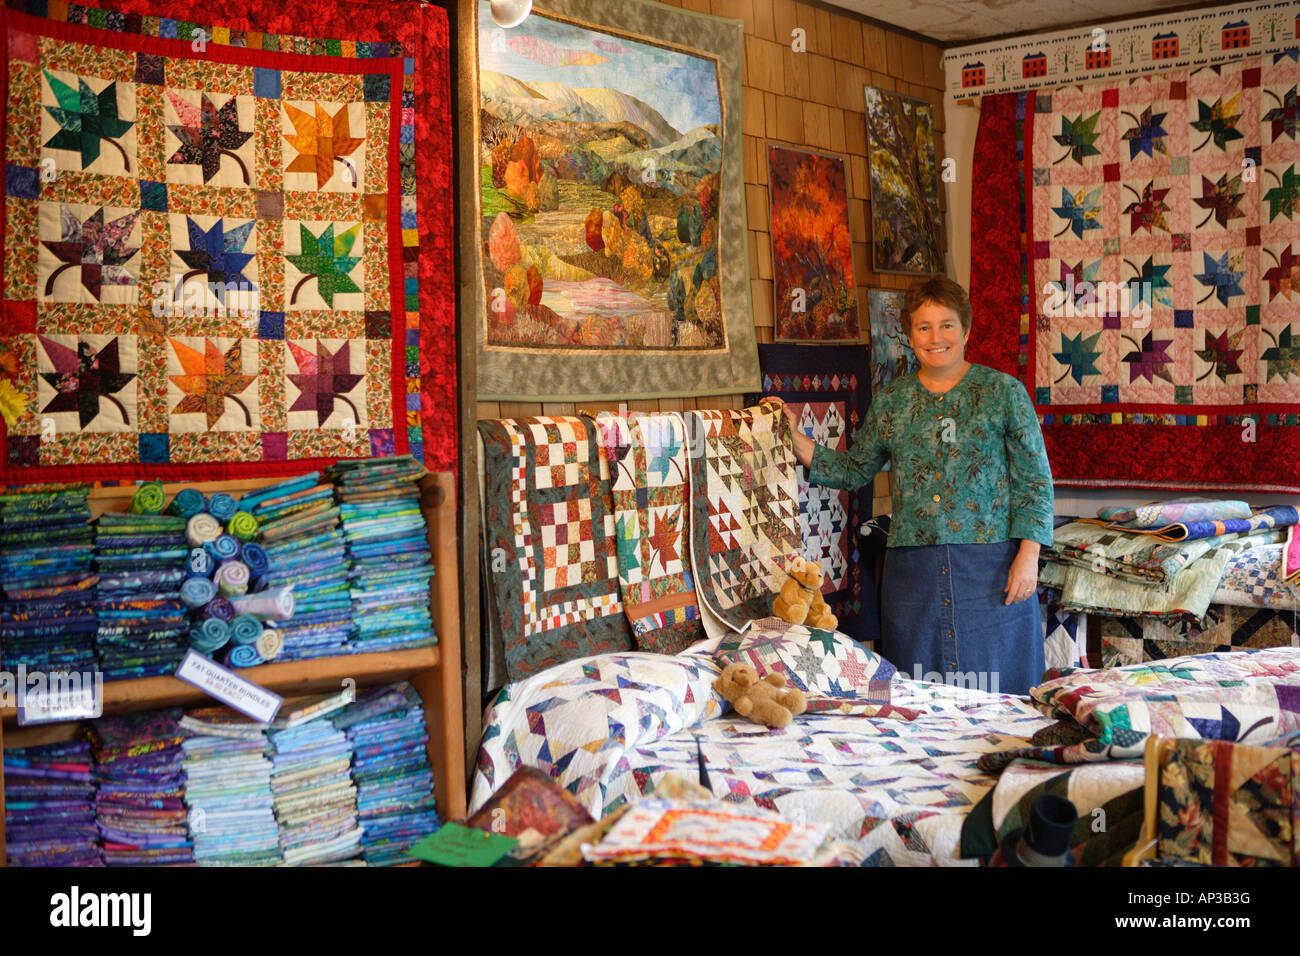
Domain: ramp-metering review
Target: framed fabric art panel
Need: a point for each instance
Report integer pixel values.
(610, 209)
(906, 222)
(227, 246)
(815, 298)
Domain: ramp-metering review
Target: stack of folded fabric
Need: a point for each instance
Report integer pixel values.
(140, 556)
(140, 807)
(389, 550)
(46, 579)
(50, 806)
(391, 771)
(298, 529)
(228, 789)
(315, 798)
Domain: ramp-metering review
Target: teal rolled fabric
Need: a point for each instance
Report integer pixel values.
(243, 655)
(187, 503)
(210, 635)
(245, 629)
(222, 507)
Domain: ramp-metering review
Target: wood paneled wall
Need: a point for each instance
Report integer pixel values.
(810, 99)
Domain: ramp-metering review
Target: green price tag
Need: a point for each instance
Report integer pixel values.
(458, 845)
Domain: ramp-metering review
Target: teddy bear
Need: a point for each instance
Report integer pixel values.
(800, 600)
(767, 701)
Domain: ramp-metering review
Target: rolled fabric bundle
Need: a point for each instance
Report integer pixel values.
(232, 578)
(196, 592)
(219, 608)
(187, 503)
(222, 507)
(200, 564)
(242, 525)
(275, 604)
(210, 635)
(254, 555)
(245, 629)
(149, 499)
(201, 529)
(243, 655)
(269, 644)
(225, 547)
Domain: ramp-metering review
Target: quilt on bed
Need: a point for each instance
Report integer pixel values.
(610, 727)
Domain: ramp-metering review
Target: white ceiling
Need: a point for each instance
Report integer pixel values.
(961, 21)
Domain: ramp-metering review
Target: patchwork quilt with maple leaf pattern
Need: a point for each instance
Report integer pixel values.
(1154, 265)
(227, 247)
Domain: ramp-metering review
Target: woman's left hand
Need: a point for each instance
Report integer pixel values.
(1022, 579)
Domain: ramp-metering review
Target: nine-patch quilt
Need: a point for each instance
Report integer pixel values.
(649, 480)
(227, 245)
(1152, 268)
(553, 587)
(829, 390)
(745, 511)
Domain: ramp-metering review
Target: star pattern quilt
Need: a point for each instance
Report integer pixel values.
(829, 389)
(1126, 640)
(609, 728)
(227, 245)
(745, 524)
(1153, 269)
(649, 480)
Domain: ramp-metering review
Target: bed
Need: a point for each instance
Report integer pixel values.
(896, 783)
(609, 727)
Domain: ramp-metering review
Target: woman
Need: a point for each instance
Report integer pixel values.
(972, 503)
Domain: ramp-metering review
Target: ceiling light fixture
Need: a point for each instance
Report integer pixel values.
(510, 13)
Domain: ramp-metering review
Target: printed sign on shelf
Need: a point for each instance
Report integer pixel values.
(229, 688)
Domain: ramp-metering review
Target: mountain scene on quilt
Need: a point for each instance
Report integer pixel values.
(600, 163)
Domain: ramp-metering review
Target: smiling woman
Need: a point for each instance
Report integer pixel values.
(972, 503)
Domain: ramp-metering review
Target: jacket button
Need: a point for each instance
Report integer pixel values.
(936, 497)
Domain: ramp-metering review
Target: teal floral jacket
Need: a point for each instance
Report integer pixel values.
(969, 465)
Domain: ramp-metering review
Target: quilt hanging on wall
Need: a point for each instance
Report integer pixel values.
(611, 215)
(1153, 268)
(829, 389)
(226, 246)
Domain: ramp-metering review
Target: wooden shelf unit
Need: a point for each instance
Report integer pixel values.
(435, 672)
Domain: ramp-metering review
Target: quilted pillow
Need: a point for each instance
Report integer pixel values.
(822, 664)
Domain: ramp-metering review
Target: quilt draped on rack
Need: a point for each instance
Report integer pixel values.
(1151, 271)
(227, 245)
(829, 390)
(549, 543)
(649, 480)
(745, 512)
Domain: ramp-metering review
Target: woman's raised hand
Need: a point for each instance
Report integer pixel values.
(803, 445)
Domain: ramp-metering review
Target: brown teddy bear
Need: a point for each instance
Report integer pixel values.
(767, 701)
(800, 600)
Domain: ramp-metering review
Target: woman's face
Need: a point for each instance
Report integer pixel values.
(937, 338)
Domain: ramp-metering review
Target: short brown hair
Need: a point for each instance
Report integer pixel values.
(941, 291)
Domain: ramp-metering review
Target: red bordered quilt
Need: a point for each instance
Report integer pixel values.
(1148, 295)
(227, 246)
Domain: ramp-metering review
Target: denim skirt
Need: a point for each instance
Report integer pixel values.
(943, 618)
